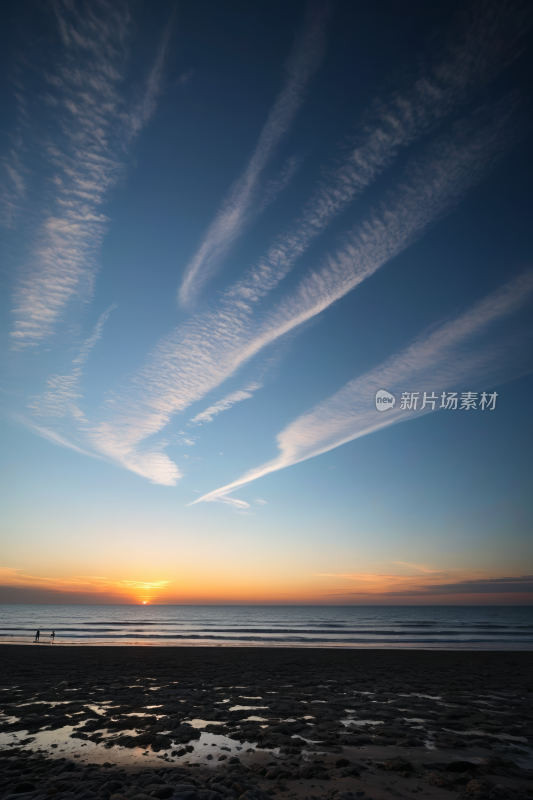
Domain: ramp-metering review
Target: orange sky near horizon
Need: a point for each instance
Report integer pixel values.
(415, 586)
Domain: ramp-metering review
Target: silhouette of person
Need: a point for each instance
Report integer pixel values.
(37, 635)
(53, 636)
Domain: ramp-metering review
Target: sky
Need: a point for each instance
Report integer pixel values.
(230, 232)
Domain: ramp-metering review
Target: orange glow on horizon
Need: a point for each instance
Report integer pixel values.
(266, 587)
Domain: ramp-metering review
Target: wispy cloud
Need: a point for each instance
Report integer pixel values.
(433, 185)
(63, 392)
(237, 208)
(54, 437)
(276, 185)
(94, 584)
(88, 345)
(523, 583)
(490, 38)
(148, 104)
(416, 566)
(225, 403)
(506, 585)
(82, 155)
(380, 576)
(449, 356)
(203, 352)
(451, 582)
(185, 77)
(14, 186)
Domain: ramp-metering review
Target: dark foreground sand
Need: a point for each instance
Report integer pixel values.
(198, 723)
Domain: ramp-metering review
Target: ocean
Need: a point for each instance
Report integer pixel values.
(448, 627)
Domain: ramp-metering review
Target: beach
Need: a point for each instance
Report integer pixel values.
(199, 723)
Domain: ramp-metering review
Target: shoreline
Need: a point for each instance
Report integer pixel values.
(493, 647)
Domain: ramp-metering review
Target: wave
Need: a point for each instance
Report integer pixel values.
(264, 631)
(480, 625)
(311, 627)
(468, 627)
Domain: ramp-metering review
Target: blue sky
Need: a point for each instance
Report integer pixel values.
(225, 228)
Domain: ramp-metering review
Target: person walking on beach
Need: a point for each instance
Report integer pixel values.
(37, 635)
(53, 636)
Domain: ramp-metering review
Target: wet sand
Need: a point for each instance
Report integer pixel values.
(208, 723)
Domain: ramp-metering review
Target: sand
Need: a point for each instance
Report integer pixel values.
(206, 723)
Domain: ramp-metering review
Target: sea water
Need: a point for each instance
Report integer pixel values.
(450, 627)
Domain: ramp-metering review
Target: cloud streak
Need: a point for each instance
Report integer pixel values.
(447, 357)
(452, 582)
(507, 585)
(93, 584)
(203, 352)
(227, 402)
(237, 208)
(88, 345)
(82, 156)
(55, 438)
(146, 108)
(490, 40)
(62, 393)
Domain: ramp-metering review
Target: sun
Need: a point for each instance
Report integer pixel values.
(144, 602)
